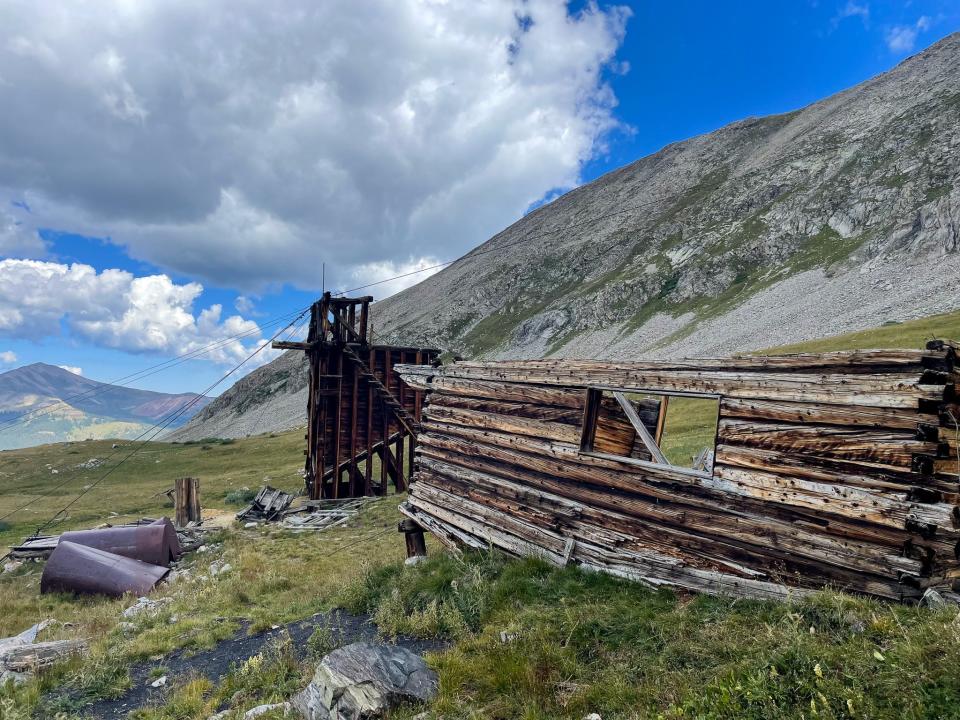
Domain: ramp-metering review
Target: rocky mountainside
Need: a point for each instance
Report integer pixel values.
(43, 403)
(839, 216)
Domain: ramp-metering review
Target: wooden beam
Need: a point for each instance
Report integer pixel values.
(642, 431)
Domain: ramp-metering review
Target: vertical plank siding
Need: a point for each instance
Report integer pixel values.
(837, 469)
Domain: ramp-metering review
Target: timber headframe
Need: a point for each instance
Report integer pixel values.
(358, 408)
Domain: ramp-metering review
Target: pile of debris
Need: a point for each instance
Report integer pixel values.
(272, 505)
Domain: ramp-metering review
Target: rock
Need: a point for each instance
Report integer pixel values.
(592, 716)
(225, 569)
(507, 637)
(264, 709)
(145, 605)
(415, 560)
(17, 678)
(9, 567)
(220, 715)
(932, 599)
(364, 680)
(159, 682)
(250, 525)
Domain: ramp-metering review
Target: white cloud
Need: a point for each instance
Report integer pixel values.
(234, 143)
(114, 309)
(387, 277)
(903, 38)
(8, 357)
(244, 305)
(71, 369)
(852, 9)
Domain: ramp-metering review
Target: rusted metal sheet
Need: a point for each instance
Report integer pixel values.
(155, 543)
(86, 570)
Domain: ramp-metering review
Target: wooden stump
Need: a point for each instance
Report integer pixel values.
(186, 501)
(413, 533)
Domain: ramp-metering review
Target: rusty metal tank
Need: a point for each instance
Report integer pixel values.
(87, 570)
(154, 543)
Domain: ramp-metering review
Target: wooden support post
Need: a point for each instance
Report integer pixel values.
(368, 470)
(338, 424)
(413, 533)
(355, 396)
(661, 419)
(186, 501)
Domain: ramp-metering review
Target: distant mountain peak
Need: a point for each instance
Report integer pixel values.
(42, 403)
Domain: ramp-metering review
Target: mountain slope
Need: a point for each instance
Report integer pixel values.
(43, 403)
(840, 216)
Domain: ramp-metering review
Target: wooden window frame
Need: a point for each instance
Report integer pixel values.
(588, 428)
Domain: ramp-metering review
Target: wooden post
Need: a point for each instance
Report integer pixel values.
(186, 501)
(413, 533)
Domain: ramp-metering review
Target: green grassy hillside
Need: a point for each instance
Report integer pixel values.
(27, 475)
(910, 334)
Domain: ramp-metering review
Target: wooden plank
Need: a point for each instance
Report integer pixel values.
(890, 448)
(894, 390)
(641, 431)
(505, 423)
(823, 414)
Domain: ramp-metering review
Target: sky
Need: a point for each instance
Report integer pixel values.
(178, 175)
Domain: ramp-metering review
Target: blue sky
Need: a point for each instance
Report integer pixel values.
(675, 70)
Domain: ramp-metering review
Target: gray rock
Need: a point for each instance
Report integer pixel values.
(364, 680)
(932, 599)
(415, 560)
(11, 566)
(264, 709)
(17, 678)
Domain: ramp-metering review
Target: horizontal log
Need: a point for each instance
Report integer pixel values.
(823, 414)
(510, 392)
(893, 390)
(890, 448)
(831, 470)
(24, 658)
(862, 505)
(505, 423)
(852, 360)
(534, 411)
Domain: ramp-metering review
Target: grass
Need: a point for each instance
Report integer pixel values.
(690, 426)
(223, 466)
(540, 643)
(908, 334)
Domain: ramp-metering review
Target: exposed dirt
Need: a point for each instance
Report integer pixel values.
(215, 663)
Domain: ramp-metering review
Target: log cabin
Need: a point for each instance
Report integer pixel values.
(777, 475)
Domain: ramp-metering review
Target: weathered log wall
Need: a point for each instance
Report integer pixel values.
(831, 469)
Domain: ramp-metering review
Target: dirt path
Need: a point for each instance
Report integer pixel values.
(215, 662)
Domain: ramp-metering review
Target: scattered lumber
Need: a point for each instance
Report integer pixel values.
(322, 514)
(269, 504)
(838, 469)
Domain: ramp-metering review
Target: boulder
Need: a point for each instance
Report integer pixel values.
(364, 680)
